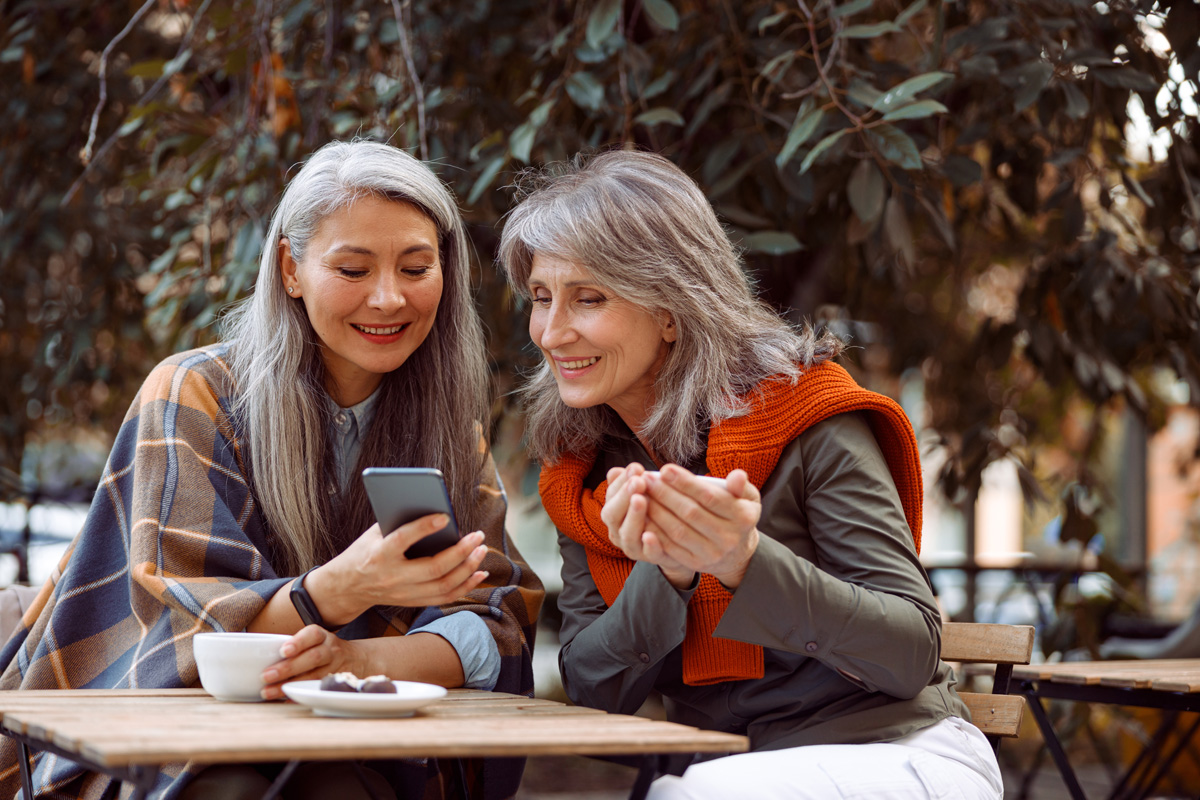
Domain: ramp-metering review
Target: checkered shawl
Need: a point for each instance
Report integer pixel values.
(174, 545)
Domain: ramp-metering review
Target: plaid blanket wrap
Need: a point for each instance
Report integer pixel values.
(174, 545)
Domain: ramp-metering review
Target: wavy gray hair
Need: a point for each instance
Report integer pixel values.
(429, 410)
(645, 231)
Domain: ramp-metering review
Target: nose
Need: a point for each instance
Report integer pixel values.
(387, 293)
(551, 327)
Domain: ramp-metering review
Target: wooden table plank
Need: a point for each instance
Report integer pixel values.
(119, 729)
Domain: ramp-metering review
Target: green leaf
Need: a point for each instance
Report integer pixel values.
(1031, 80)
(485, 178)
(1077, 101)
(663, 13)
(910, 12)
(146, 69)
(1136, 187)
(1125, 78)
(602, 20)
(863, 93)
(659, 85)
(774, 69)
(917, 110)
(868, 31)
(805, 124)
(585, 90)
(903, 92)
(853, 7)
(767, 22)
(659, 115)
(775, 243)
(896, 146)
(823, 145)
(710, 104)
(521, 141)
(866, 191)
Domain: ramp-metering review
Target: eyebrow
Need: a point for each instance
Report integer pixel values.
(569, 284)
(366, 251)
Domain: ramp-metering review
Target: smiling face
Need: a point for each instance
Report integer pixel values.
(601, 348)
(370, 281)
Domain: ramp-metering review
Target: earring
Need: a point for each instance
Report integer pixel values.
(291, 289)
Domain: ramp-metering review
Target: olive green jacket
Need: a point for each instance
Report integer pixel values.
(834, 593)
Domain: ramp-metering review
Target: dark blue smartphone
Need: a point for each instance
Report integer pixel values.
(399, 495)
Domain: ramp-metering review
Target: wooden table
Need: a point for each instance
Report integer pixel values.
(128, 734)
(1169, 684)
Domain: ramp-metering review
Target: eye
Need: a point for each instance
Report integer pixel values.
(351, 272)
(541, 297)
(591, 300)
(417, 271)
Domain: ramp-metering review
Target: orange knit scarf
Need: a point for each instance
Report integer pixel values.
(754, 442)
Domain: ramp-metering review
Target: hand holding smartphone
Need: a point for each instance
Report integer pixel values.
(400, 495)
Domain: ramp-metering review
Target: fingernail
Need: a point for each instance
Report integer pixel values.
(477, 536)
(270, 676)
(479, 551)
(483, 575)
(441, 520)
(287, 651)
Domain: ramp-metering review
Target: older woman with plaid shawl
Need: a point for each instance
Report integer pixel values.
(234, 483)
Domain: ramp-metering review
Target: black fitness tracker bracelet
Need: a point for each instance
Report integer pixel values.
(305, 606)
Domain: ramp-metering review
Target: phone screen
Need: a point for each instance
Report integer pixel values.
(400, 495)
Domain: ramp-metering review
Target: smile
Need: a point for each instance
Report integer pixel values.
(580, 364)
(380, 331)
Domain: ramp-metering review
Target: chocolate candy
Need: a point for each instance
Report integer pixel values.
(377, 684)
(340, 682)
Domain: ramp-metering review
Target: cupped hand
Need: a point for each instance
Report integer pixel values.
(629, 528)
(374, 571)
(703, 527)
(310, 654)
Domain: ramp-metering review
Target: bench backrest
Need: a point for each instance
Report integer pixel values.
(997, 714)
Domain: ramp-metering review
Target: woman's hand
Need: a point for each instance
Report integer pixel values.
(702, 527)
(312, 653)
(624, 514)
(373, 571)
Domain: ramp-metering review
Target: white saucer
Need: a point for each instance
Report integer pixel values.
(408, 698)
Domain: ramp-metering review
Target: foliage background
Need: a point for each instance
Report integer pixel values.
(948, 183)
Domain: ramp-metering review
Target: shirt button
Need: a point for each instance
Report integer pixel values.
(341, 418)
(811, 647)
(645, 657)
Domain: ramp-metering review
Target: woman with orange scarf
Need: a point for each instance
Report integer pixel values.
(785, 601)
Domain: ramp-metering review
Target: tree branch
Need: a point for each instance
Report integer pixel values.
(418, 90)
(85, 155)
(91, 160)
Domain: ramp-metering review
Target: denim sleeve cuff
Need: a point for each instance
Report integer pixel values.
(470, 637)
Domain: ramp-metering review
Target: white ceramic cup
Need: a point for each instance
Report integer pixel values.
(231, 664)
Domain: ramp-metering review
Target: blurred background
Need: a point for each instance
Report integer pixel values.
(996, 203)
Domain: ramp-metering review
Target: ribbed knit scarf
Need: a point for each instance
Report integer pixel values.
(754, 442)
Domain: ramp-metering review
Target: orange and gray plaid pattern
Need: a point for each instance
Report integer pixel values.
(174, 545)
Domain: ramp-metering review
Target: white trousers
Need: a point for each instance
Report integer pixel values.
(950, 759)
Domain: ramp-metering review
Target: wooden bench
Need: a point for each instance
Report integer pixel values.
(997, 714)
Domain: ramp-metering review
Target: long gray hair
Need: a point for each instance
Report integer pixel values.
(428, 411)
(645, 231)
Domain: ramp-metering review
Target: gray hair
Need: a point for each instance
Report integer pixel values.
(645, 231)
(429, 410)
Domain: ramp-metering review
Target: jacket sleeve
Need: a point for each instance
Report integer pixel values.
(509, 599)
(836, 575)
(610, 658)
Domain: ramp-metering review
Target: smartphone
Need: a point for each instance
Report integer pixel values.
(399, 495)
